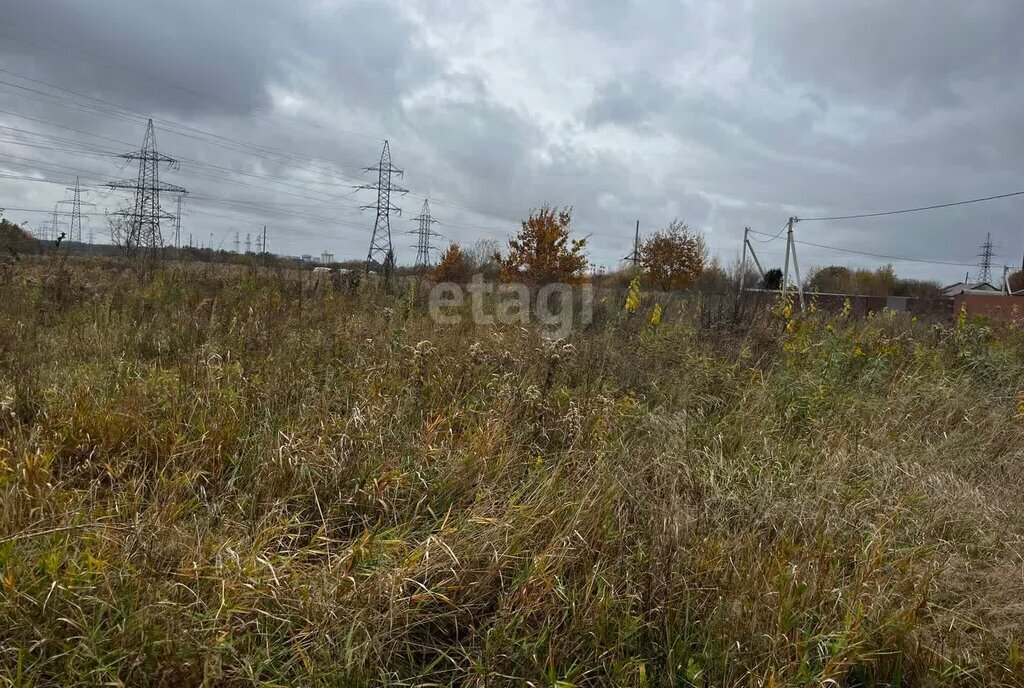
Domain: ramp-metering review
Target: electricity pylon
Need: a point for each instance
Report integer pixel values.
(177, 223)
(986, 259)
(381, 250)
(424, 233)
(75, 226)
(144, 216)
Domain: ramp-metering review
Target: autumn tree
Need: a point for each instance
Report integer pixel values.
(674, 258)
(454, 267)
(543, 252)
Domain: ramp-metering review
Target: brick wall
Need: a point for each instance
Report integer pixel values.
(995, 306)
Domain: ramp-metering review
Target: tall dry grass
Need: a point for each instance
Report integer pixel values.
(213, 477)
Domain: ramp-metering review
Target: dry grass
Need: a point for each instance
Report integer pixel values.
(214, 477)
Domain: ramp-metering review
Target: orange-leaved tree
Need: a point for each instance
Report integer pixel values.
(674, 257)
(453, 266)
(543, 252)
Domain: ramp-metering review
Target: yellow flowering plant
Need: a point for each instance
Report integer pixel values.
(633, 297)
(656, 315)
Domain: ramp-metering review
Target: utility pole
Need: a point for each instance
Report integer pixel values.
(747, 246)
(381, 250)
(248, 242)
(785, 269)
(791, 251)
(753, 254)
(144, 217)
(423, 235)
(236, 242)
(634, 257)
(986, 259)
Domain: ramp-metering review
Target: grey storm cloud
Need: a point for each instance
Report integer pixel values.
(629, 100)
(724, 113)
(910, 54)
(184, 58)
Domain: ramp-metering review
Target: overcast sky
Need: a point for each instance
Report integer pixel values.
(724, 114)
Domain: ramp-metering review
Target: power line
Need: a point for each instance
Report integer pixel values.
(19, 36)
(910, 210)
(287, 181)
(873, 255)
(108, 109)
(97, 105)
(43, 210)
(46, 165)
(772, 238)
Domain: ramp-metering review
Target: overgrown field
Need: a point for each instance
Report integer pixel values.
(214, 477)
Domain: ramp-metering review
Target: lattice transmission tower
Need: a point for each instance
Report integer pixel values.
(75, 229)
(986, 254)
(381, 251)
(54, 226)
(143, 218)
(424, 233)
(177, 223)
(76, 203)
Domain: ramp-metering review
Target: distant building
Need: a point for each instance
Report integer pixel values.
(326, 258)
(970, 288)
(306, 258)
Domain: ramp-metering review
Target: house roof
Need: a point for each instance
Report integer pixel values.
(969, 288)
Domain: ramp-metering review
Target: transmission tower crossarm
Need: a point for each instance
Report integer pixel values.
(160, 186)
(151, 158)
